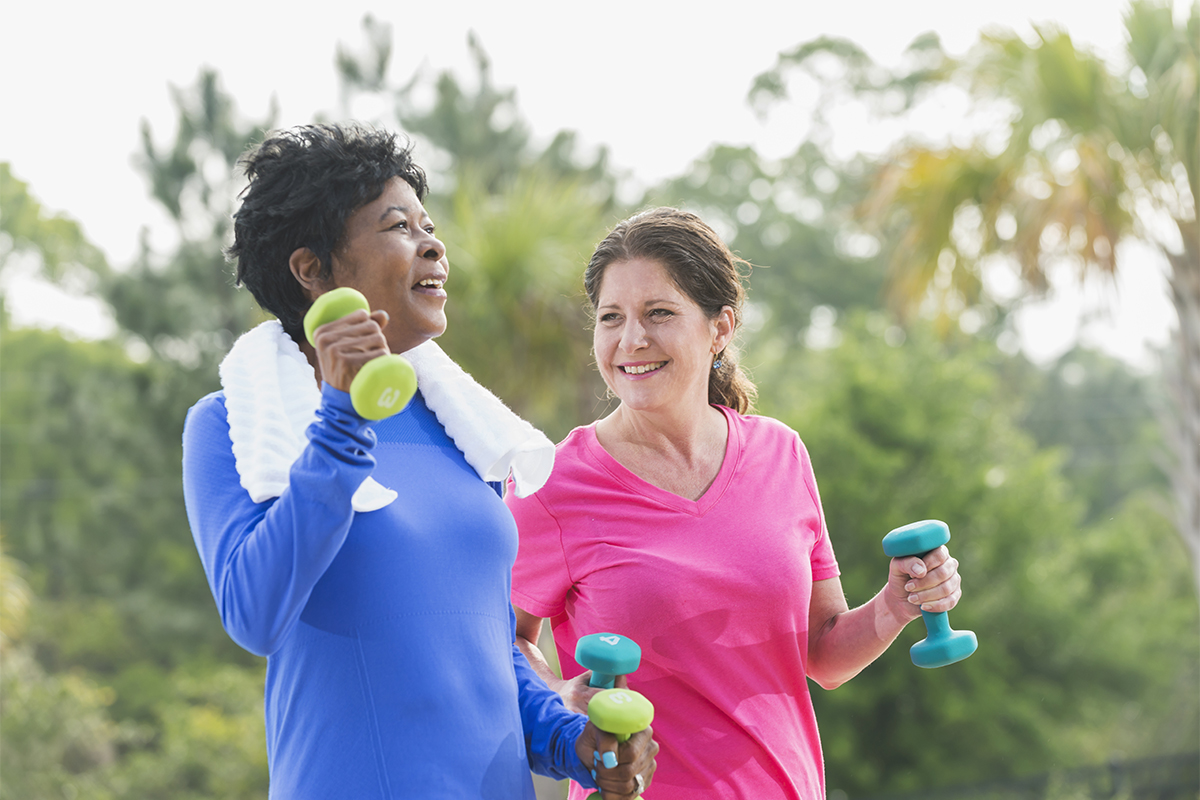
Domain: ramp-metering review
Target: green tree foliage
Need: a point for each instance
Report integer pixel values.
(208, 740)
(792, 220)
(1088, 633)
(56, 240)
(109, 616)
(91, 497)
(57, 739)
(62, 733)
(118, 681)
(1104, 419)
(478, 132)
(53, 245)
(516, 316)
(186, 307)
(1089, 154)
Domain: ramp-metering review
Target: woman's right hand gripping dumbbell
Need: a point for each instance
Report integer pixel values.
(345, 345)
(353, 355)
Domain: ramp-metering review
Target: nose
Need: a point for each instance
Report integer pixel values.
(633, 335)
(432, 248)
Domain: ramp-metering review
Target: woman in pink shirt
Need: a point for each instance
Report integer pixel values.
(695, 529)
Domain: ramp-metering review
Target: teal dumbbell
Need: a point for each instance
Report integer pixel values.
(621, 712)
(384, 385)
(607, 655)
(941, 645)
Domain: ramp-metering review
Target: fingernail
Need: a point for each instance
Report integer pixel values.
(908, 587)
(595, 757)
(912, 598)
(610, 759)
(593, 774)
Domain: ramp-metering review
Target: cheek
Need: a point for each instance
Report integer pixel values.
(598, 346)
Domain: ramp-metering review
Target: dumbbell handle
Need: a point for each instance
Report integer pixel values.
(602, 680)
(384, 385)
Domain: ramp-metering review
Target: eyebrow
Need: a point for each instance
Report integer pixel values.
(404, 211)
(657, 302)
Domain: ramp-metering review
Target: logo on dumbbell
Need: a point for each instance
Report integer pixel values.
(619, 698)
(611, 640)
(388, 398)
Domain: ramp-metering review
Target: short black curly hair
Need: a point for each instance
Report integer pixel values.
(304, 183)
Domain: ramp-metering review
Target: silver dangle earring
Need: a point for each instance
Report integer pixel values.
(717, 364)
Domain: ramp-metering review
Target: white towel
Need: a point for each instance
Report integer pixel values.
(494, 440)
(271, 397)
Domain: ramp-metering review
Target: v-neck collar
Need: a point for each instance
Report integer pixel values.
(699, 507)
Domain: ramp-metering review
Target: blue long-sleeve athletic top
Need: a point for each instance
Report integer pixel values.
(389, 635)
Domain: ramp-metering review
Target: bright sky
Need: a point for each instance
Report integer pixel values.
(656, 82)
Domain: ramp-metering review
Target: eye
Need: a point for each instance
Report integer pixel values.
(401, 225)
(609, 317)
(661, 313)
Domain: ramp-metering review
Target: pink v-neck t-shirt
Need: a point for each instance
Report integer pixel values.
(715, 591)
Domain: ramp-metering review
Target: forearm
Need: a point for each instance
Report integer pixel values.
(851, 640)
(537, 661)
(551, 730)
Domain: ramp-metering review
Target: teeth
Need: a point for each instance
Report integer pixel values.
(642, 369)
(431, 282)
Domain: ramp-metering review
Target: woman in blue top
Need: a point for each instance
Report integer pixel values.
(369, 562)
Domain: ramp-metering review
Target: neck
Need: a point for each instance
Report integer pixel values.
(686, 430)
(310, 353)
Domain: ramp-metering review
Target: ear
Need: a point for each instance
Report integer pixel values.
(306, 269)
(722, 329)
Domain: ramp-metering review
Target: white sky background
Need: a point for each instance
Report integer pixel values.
(656, 82)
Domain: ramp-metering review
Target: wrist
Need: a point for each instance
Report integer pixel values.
(892, 614)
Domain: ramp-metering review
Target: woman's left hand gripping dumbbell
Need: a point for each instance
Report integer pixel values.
(618, 743)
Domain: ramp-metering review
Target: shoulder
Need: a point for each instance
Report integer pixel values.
(206, 428)
(759, 430)
(574, 470)
(573, 454)
(208, 410)
(768, 442)
(576, 440)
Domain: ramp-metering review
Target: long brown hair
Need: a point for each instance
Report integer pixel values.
(701, 266)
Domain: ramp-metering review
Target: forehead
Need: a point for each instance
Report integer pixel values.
(638, 280)
(397, 196)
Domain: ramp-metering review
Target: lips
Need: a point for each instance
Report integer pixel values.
(430, 286)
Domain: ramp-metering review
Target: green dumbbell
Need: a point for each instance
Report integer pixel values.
(607, 655)
(621, 712)
(941, 645)
(385, 384)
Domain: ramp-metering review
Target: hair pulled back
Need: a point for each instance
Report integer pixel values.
(304, 184)
(703, 268)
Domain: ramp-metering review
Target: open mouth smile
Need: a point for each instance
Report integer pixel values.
(642, 369)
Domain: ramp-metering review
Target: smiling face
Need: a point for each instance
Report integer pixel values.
(389, 253)
(654, 345)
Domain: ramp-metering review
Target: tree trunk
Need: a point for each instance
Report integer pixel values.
(1184, 383)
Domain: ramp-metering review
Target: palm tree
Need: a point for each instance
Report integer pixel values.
(517, 310)
(1089, 155)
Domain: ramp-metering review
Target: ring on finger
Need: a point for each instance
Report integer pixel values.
(641, 784)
